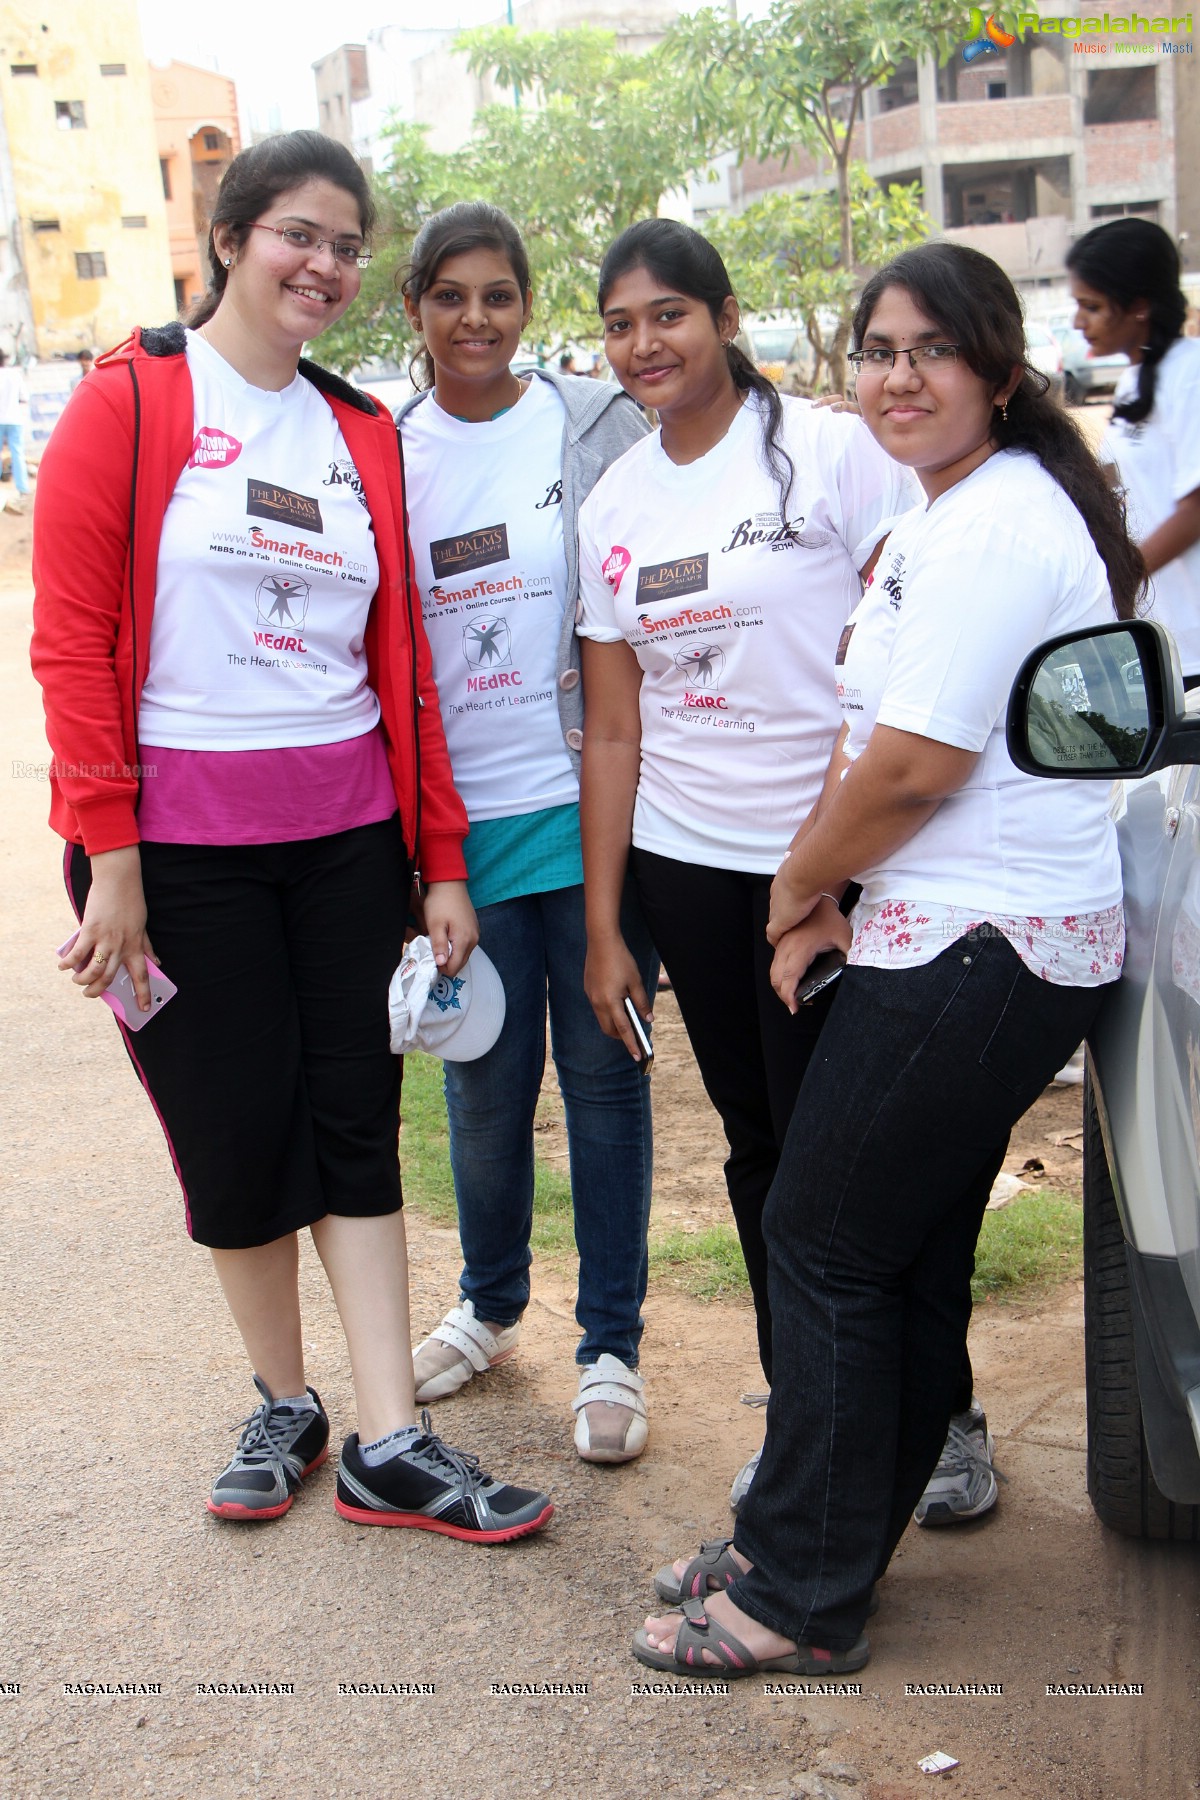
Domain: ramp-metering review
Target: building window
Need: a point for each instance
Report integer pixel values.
(997, 90)
(45, 224)
(90, 265)
(212, 140)
(1129, 209)
(134, 221)
(113, 69)
(164, 169)
(22, 68)
(69, 115)
(1117, 96)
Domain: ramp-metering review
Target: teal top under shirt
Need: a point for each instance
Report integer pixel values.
(533, 853)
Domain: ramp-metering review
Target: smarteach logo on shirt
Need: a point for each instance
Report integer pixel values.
(666, 581)
(469, 550)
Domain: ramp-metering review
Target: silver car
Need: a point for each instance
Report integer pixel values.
(1105, 704)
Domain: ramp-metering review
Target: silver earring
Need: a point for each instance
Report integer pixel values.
(227, 262)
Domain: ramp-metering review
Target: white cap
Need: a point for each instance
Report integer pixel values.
(457, 1017)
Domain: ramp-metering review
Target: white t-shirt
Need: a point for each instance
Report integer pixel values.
(485, 519)
(963, 591)
(266, 573)
(734, 617)
(1159, 463)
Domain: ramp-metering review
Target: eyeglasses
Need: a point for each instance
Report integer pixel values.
(879, 360)
(297, 237)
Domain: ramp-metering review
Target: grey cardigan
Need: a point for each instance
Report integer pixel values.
(602, 423)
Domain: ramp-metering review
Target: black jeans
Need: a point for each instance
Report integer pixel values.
(709, 926)
(871, 1224)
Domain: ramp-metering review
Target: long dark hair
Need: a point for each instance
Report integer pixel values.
(255, 179)
(1129, 260)
(467, 225)
(971, 299)
(687, 263)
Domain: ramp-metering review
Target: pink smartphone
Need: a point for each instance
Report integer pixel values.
(121, 996)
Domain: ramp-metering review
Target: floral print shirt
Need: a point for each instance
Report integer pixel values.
(1078, 950)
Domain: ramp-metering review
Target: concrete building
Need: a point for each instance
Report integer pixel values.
(341, 79)
(414, 72)
(196, 122)
(89, 229)
(1020, 152)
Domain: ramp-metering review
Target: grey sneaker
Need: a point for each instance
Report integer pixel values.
(278, 1447)
(432, 1487)
(742, 1480)
(963, 1486)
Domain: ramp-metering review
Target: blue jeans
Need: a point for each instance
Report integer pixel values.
(14, 437)
(899, 1130)
(538, 942)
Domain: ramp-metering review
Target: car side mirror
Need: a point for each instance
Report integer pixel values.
(1100, 704)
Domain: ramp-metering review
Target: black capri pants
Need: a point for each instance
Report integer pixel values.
(270, 1069)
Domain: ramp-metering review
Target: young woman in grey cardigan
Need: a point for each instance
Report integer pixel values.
(497, 467)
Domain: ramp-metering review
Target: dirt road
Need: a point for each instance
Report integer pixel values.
(122, 1376)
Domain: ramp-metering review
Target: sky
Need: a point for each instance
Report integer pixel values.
(269, 50)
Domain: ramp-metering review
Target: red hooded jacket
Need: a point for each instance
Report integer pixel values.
(106, 479)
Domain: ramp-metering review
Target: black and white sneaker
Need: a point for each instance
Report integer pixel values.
(278, 1447)
(434, 1488)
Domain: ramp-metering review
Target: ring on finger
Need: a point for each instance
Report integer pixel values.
(100, 957)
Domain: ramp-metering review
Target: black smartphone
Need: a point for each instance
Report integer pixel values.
(646, 1059)
(820, 974)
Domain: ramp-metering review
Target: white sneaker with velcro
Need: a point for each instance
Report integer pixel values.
(460, 1347)
(611, 1424)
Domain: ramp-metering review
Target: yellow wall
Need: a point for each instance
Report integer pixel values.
(87, 179)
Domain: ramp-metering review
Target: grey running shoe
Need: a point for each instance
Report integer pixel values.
(742, 1480)
(963, 1486)
(434, 1488)
(278, 1447)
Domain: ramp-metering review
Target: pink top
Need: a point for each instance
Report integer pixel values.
(264, 796)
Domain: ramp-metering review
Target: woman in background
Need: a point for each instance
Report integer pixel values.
(1125, 279)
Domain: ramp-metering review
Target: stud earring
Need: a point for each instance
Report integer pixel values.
(228, 261)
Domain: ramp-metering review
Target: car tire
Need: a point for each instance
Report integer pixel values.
(1076, 395)
(1120, 1483)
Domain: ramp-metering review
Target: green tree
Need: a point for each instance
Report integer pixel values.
(601, 136)
(796, 76)
(784, 253)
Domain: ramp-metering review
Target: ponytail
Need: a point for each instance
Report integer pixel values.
(1130, 260)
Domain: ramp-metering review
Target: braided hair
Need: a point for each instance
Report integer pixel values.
(1129, 260)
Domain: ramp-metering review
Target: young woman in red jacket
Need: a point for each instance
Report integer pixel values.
(248, 766)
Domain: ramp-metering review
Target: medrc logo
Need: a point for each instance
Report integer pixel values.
(686, 575)
(999, 30)
(471, 550)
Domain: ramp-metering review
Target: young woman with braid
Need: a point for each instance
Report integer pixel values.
(1125, 279)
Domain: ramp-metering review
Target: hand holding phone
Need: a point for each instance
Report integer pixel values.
(646, 1059)
(121, 995)
(821, 973)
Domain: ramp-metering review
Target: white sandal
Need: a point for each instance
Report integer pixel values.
(611, 1424)
(460, 1347)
